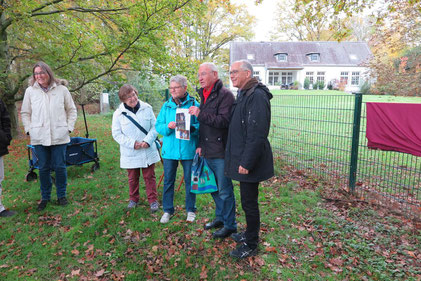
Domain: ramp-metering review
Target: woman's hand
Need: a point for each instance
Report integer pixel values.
(144, 144)
(137, 145)
(171, 125)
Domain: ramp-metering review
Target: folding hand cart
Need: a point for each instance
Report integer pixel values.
(79, 151)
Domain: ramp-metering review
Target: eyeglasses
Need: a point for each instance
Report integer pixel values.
(175, 88)
(131, 96)
(39, 73)
(235, 72)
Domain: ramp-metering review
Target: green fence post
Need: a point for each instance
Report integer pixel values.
(355, 141)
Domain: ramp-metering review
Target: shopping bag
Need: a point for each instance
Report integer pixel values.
(202, 178)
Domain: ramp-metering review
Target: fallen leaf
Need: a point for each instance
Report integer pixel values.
(336, 261)
(412, 254)
(76, 272)
(100, 273)
(75, 252)
(271, 249)
(203, 273)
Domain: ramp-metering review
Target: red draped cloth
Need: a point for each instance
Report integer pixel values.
(394, 126)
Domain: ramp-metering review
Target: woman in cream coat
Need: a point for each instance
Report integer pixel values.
(49, 115)
(138, 151)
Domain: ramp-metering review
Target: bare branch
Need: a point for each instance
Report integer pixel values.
(79, 9)
(46, 5)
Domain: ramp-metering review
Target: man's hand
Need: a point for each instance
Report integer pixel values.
(242, 170)
(172, 125)
(194, 110)
(199, 151)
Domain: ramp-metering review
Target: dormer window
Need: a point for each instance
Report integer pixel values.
(314, 57)
(281, 57)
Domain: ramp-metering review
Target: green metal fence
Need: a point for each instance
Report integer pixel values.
(324, 135)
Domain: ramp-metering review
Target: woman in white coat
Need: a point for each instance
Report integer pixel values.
(138, 150)
(49, 115)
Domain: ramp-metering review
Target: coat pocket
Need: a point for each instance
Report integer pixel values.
(60, 133)
(36, 132)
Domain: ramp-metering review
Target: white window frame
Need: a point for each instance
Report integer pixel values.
(344, 77)
(355, 78)
(310, 76)
(281, 57)
(314, 57)
(321, 76)
(286, 78)
(273, 77)
(256, 74)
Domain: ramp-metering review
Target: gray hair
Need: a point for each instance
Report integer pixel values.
(180, 80)
(246, 65)
(211, 66)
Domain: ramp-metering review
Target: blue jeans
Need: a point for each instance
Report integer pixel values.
(224, 198)
(52, 158)
(170, 172)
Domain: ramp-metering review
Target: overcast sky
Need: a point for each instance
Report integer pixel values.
(264, 14)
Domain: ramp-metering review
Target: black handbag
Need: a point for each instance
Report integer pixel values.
(157, 142)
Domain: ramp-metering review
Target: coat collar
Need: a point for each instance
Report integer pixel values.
(142, 106)
(171, 102)
(38, 86)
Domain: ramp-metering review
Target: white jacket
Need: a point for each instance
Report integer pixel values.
(126, 133)
(48, 116)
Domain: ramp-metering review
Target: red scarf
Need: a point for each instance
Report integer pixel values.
(206, 93)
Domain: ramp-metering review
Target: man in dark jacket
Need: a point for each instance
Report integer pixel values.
(214, 116)
(248, 156)
(5, 138)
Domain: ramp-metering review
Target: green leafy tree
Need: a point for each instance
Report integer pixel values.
(293, 23)
(86, 42)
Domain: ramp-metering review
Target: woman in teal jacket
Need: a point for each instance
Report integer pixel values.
(176, 149)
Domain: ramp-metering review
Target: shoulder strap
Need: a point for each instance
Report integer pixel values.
(134, 122)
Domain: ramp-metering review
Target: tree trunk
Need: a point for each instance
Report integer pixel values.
(11, 108)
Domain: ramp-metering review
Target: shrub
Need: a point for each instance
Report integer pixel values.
(365, 88)
(342, 86)
(306, 83)
(296, 85)
(113, 99)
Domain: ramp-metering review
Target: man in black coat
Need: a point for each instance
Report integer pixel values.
(214, 116)
(5, 138)
(248, 157)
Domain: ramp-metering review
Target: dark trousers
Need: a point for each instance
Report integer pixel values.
(249, 201)
(52, 158)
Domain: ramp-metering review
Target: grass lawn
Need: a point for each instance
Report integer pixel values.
(303, 236)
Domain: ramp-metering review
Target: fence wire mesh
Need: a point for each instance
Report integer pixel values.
(314, 133)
